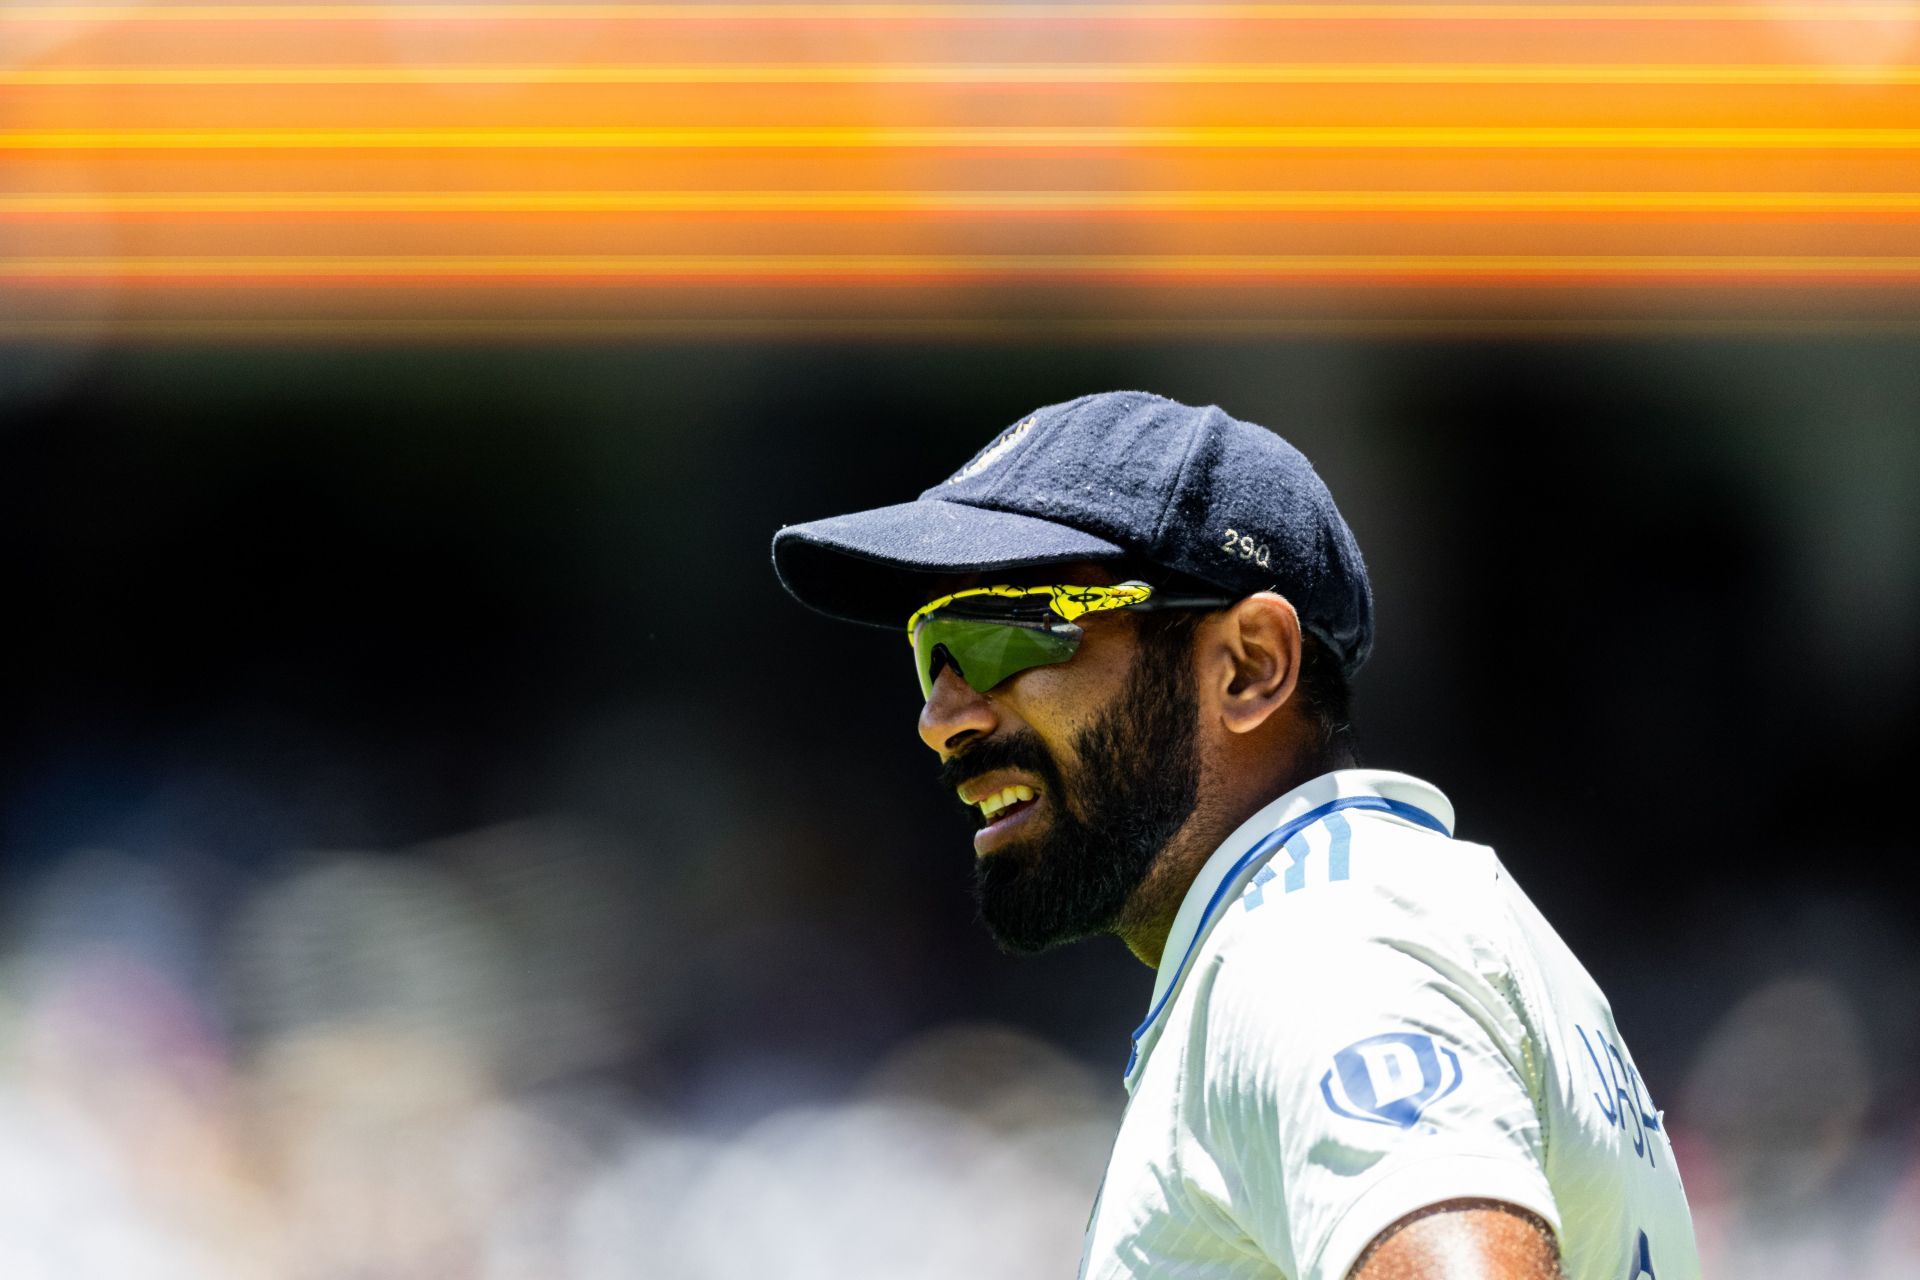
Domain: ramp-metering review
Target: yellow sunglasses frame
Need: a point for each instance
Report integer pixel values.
(1068, 603)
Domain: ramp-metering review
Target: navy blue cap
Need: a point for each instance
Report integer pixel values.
(1118, 475)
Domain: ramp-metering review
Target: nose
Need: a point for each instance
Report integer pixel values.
(954, 713)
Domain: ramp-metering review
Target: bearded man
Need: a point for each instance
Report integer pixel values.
(1366, 1054)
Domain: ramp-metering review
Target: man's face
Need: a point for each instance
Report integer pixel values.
(1104, 746)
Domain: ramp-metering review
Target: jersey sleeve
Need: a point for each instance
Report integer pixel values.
(1360, 1063)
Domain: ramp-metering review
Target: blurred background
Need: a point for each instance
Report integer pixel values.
(431, 844)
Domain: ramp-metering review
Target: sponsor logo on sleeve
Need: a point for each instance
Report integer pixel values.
(1390, 1079)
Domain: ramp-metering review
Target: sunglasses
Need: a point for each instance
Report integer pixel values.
(990, 633)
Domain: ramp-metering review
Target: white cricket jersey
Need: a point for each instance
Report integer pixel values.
(1357, 1016)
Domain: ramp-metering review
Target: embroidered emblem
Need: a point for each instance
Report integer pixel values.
(993, 452)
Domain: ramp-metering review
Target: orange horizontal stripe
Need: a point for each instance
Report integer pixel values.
(1839, 12)
(361, 202)
(767, 266)
(982, 73)
(534, 43)
(873, 168)
(1005, 137)
(982, 328)
(664, 114)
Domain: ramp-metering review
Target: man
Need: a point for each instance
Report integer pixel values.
(1366, 1053)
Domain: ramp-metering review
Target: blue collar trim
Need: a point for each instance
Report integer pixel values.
(1261, 850)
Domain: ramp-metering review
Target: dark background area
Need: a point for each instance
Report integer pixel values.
(1647, 613)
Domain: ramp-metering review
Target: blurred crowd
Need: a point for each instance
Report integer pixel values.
(385, 1067)
(433, 1063)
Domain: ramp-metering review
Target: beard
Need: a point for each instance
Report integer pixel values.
(1137, 782)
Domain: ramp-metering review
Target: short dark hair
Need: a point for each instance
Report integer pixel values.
(1325, 698)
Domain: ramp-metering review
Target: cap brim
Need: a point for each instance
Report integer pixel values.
(874, 566)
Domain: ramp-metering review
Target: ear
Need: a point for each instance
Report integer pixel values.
(1256, 665)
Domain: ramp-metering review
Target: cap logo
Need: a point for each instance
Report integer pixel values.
(993, 452)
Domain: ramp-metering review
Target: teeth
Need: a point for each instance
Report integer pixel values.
(1000, 799)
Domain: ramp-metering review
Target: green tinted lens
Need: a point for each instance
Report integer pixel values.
(987, 652)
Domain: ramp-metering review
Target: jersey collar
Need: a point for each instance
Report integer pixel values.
(1247, 849)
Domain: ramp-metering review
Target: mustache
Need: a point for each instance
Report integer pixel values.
(1017, 751)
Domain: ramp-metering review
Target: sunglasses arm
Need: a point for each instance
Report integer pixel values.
(1157, 602)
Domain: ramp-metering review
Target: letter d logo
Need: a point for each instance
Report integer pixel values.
(1390, 1079)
